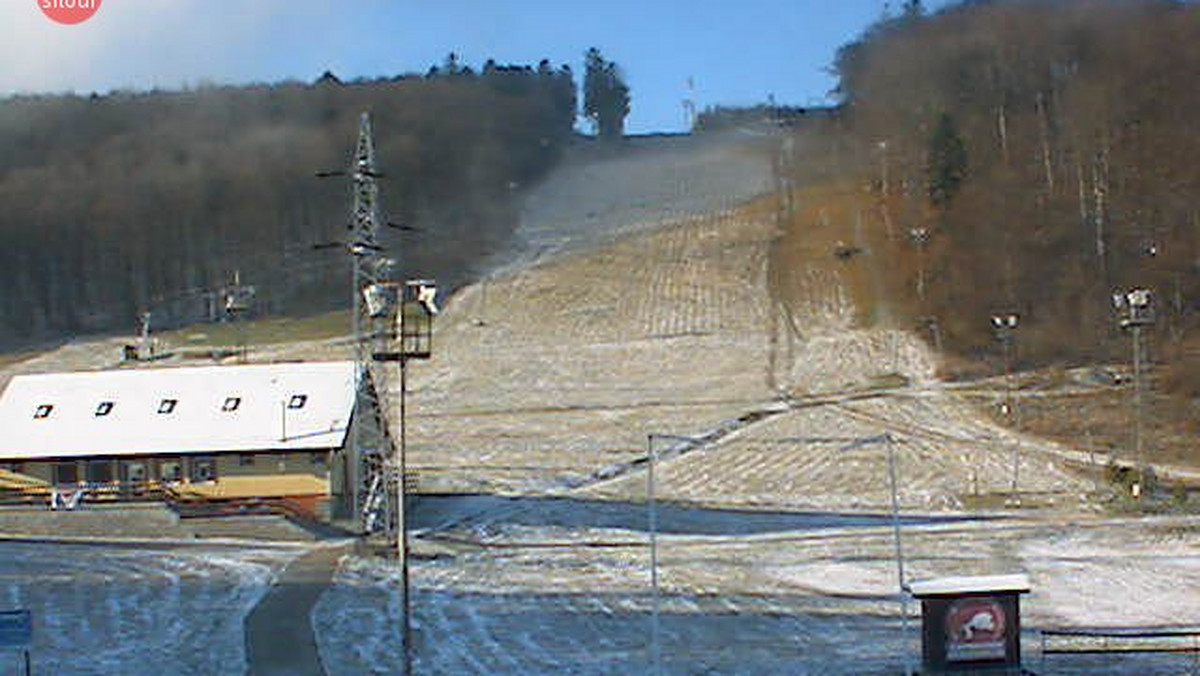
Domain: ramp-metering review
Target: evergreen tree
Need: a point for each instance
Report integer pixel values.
(947, 167)
(912, 9)
(605, 95)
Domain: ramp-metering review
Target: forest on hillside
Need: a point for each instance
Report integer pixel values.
(1035, 156)
(127, 202)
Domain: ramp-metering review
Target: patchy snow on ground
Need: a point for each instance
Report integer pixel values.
(1130, 577)
(562, 629)
(549, 600)
(553, 372)
(100, 610)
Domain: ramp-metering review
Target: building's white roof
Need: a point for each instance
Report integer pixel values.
(134, 426)
(953, 586)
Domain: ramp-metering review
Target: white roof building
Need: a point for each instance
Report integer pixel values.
(261, 407)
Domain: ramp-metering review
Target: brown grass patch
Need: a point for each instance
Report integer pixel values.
(831, 228)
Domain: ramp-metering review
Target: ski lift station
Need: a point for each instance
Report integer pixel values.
(203, 433)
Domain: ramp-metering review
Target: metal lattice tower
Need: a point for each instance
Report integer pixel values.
(370, 441)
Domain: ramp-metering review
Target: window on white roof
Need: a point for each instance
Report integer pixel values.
(297, 401)
(167, 406)
(43, 411)
(104, 408)
(231, 404)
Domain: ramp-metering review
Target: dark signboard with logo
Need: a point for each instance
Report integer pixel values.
(971, 624)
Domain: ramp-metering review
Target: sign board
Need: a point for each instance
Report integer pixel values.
(976, 630)
(16, 628)
(971, 624)
(970, 632)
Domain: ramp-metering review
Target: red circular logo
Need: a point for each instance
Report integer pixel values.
(69, 11)
(975, 621)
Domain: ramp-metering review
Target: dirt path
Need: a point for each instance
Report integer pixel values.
(279, 633)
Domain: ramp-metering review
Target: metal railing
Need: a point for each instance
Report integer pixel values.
(1121, 640)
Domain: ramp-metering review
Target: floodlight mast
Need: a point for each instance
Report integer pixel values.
(1135, 309)
(1005, 325)
(406, 337)
(919, 236)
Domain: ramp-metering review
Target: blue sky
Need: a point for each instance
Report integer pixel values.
(736, 52)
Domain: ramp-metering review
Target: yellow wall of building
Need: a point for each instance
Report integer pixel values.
(227, 465)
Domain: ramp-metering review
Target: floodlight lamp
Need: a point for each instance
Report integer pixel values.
(1139, 298)
(380, 299)
(424, 292)
(1007, 320)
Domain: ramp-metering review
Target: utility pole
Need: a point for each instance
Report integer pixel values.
(1136, 310)
(652, 512)
(146, 349)
(369, 442)
(238, 298)
(883, 189)
(930, 324)
(655, 641)
(783, 180)
(689, 106)
(902, 581)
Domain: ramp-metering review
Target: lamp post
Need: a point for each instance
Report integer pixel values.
(1135, 310)
(1005, 325)
(920, 239)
